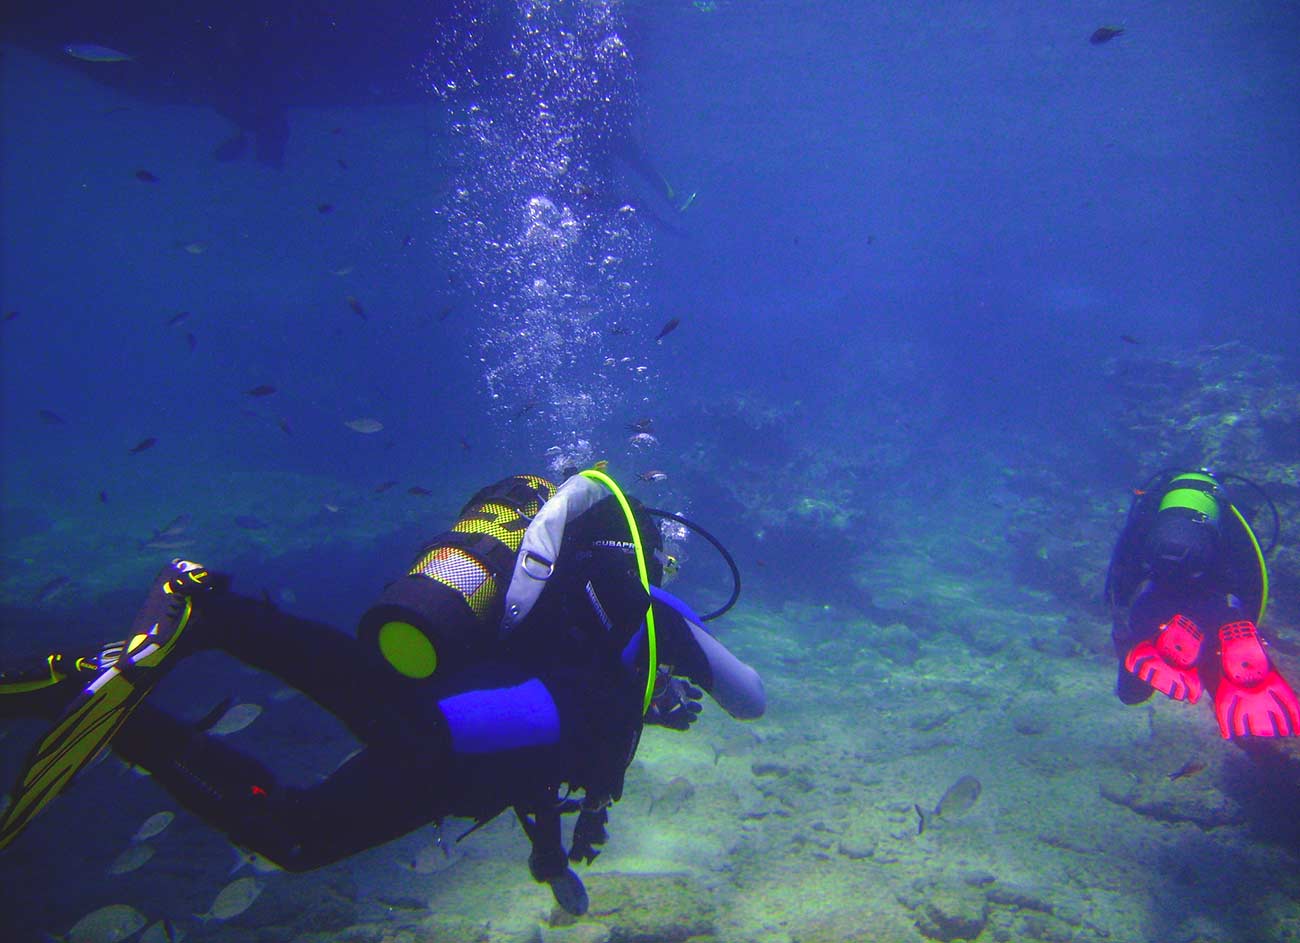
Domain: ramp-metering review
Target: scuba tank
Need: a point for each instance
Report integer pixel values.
(444, 613)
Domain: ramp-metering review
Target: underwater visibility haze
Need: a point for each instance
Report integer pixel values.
(900, 302)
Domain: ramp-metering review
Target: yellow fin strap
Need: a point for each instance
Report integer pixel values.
(652, 641)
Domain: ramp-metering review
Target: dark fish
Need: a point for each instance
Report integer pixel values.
(191, 340)
(960, 796)
(618, 330)
(920, 818)
(669, 326)
(145, 177)
(464, 444)
(264, 389)
(324, 208)
(336, 130)
(284, 426)
(445, 313)
(384, 486)
(645, 424)
(143, 445)
(248, 522)
(51, 589)
(1129, 339)
(103, 497)
(525, 409)
(1105, 34)
(357, 309)
(50, 418)
(177, 318)
(652, 475)
(418, 491)
(1190, 768)
(343, 165)
(407, 241)
(10, 315)
(175, 528)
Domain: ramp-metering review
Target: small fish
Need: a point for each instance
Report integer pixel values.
(10, 315)
(525, 409)
(249, 522)
(464, 444)
(324, 208)
(644, 424)
(432, 858)
(284, 426)
(643, 440)
(1129, 339)
(1104, 34)
(1190, 768)
(245, 857)
(50, 589)
(383, 486)
(418, 491)
(653, 475)
(357, 308)
(192, 341)
(167, 537)
(234, 899)
(618, 330)
(154, 825)
(669, 326)
(343, 270)
(142, 446)
(343, 165)
(675, 794)
(364, 426)
(407, 241)
(50, 418)
(959, 797)
(444, 313)
(145, 176)
(177, 318)
(106, 925)
(235, 719)
(193, 248)
(264, 389)
(90, 52)
(103, 497)
(134, 858)
(920, 818)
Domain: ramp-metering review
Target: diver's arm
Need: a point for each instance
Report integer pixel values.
(694, 653)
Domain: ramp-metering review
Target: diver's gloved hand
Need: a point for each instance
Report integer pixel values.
(1253, 699)
(1168, 663)
(676, 703)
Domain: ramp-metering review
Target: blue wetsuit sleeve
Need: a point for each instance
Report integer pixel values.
(498, 719)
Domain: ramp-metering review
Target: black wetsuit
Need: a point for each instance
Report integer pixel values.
(561, 705)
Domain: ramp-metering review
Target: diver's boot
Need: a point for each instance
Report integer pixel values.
(116, 681)
(44, 689)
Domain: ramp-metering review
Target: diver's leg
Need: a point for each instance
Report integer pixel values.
(371, 799)
(329, 666)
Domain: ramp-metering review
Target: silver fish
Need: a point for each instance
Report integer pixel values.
(90, 52)
(107, 925)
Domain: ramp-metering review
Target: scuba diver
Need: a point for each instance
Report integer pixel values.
(513, 666)
(1188, 565)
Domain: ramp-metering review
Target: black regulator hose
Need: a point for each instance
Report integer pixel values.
(717, 545)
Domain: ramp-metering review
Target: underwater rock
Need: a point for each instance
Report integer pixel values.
(1206, 808)
(951, 911)
(670, 908)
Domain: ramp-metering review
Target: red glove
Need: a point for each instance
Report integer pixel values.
(1252, 699)
(1168, 663)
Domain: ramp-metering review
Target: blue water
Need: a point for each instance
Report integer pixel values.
(905, 245)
